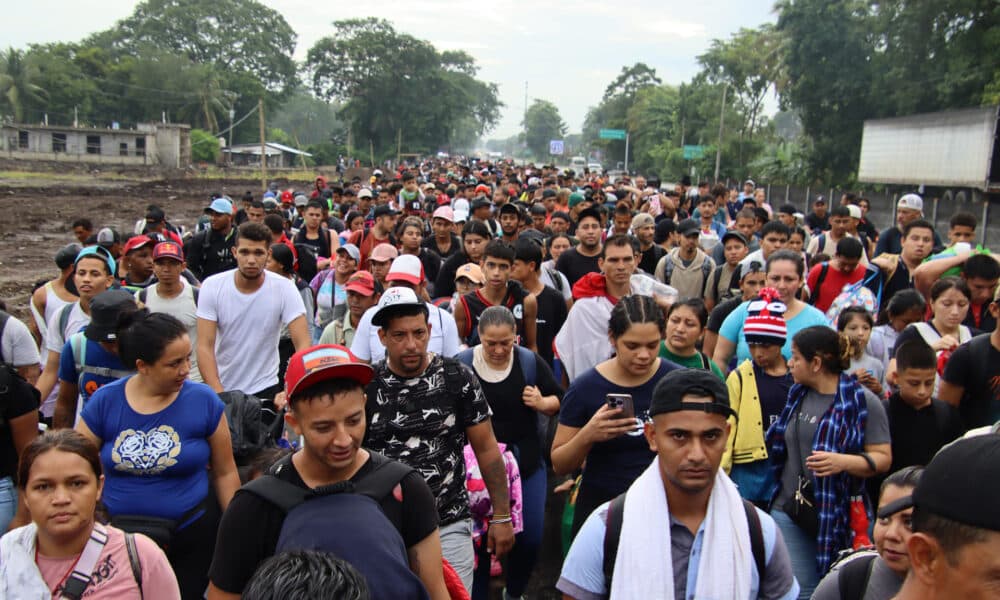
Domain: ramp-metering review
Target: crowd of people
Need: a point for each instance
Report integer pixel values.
(370, 388)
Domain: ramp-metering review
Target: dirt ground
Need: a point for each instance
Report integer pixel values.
(36, 214)
(35, 217)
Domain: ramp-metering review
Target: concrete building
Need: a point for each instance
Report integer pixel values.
(162, 144)
(278, 155)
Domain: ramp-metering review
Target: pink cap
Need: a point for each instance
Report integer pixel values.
(444, 212)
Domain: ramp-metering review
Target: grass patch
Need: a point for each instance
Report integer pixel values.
(41, 176)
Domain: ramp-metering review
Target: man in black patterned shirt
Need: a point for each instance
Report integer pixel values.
(421, 409)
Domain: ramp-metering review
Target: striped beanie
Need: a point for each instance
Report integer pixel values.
(765, 322)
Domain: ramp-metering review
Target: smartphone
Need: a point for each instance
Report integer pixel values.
(624, 402)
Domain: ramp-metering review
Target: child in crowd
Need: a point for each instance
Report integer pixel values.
(856, 323)
(919, 424)
(905, 307)
(758, 389)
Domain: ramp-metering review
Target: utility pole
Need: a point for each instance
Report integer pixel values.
(232, 113)
(718, 150)
(524, 159)
(399, 144)
(263, 146)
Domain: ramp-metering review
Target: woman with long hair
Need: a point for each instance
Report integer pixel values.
(165, 446)
(523, 393)
(686, 322)
(785, 273)
(65, 550)
(600, 421)
(831, 435)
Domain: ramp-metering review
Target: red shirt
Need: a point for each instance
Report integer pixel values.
(832, 284)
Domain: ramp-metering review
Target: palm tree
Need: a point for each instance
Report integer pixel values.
(17, 87)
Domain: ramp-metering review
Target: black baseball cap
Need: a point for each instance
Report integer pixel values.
(480, 202)
(105, 308)
(383, 210)
(733, 235)
(688, 227)
(668, 396)
(962, 483)
(591, 212)
(66, 255)
(510, 208)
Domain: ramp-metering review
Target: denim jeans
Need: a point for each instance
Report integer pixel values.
(521, 560)
(802, 550)
(8, 502)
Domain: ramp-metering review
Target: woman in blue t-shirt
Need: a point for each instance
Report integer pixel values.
(590, 430)
(785, 273)
(161, 436)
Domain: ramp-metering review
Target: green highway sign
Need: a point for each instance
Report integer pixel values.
(612, 134)
(693, 152)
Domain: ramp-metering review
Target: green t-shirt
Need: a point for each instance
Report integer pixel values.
(695, 361)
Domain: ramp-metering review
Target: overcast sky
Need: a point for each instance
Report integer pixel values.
(566, 51)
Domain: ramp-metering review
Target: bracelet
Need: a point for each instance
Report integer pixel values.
(501, 521)
(500, 516)
(868, 459)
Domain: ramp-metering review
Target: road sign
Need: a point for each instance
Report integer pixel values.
(556, 147)
(612, 134)
(693, 152)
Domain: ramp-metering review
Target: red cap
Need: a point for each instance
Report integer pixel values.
(319, 363)
(286, 197)
(168, 250)
(361, 282)
(135, 243)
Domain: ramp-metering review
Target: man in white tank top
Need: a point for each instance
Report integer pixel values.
(49, 299)
(172, 295)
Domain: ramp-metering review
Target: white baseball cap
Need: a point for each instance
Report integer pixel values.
(393, 298)
(912, 202)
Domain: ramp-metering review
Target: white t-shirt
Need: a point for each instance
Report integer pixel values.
(17, 346)
(249, 325)
(184, 309)
(444, 335)
(55, 338)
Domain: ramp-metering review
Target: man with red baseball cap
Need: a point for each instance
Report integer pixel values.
(137, 261)
(393, 542)
(173, 295)
(363, 291)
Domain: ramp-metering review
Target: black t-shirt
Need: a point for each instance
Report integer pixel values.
(444, 285)
(975, 366)
(773, 393)
(513, 421)
(650, 257)
(23, 399)
(574, 265)
(250, 528)
(917, 434)
(816, 223)
(456, 246)
(720, 312)
(551, 316)
(432, 266)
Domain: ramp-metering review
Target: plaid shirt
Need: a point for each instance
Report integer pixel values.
(841, 429)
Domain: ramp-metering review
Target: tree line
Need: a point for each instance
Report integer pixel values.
(199, 61)
(830, 63)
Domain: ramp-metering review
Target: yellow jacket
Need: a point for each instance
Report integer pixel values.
(746, 435)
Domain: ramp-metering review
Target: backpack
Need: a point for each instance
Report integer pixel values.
(346, 520)
(854, 572)
(78, 344)
(307, 261)
(706, 270)
(613, 532)
(64, 314)
(557, 282)
(246, 426)
(866, 293)
(11, 382)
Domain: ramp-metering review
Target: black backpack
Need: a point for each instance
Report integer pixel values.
(307, 261)
(247, 429)
(613, 533)
(854, 572)
(11, 383)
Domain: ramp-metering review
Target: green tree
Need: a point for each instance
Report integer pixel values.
(612, 112)
(18, 83)
(394, 85)
(542, 124)
(308, 119)
(236, 36)
(204, 146)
